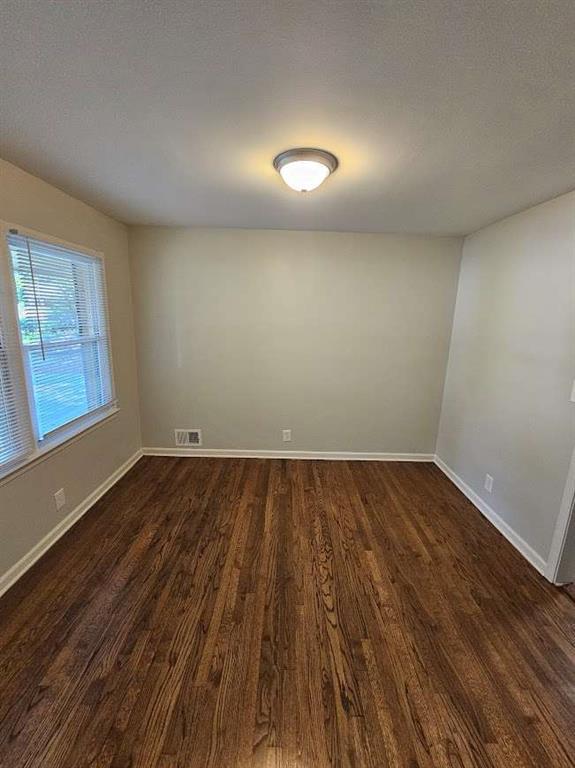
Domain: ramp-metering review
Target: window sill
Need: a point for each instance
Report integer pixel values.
(56, 443)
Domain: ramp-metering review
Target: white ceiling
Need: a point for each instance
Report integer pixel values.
(445, 114)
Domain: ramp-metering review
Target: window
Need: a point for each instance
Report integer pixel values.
(55, 358)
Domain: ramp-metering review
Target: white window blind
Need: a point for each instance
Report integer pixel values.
(16, 439)
(63, 320)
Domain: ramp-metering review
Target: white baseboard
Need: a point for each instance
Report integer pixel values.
(19, 568)
(512, 536)
(229, 453)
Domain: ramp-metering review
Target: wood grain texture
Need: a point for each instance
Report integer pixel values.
(298, 614)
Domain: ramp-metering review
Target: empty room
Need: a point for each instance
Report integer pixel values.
(287, 384)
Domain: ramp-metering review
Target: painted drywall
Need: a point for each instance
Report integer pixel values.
(342, 338)
(27, 508)
(506, 408)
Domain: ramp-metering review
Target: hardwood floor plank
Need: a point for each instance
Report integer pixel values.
(254, 613)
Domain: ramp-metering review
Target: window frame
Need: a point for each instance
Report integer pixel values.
(74, 429)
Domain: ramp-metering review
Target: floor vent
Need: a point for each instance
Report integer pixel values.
(188, 438)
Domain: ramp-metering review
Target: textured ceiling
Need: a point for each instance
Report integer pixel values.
(445, 114)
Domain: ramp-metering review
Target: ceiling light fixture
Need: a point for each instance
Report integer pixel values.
(305, 169)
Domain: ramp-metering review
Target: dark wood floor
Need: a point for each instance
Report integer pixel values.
(217, 612)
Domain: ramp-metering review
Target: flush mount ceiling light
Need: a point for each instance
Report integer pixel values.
(305, 169)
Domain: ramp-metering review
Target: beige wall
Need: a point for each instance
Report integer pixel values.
(27, 509)
(506, 407)
(341, 337)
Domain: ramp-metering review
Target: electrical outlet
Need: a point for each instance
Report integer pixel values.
(60, 498)
(488, 483)
(286, 435)
(572, 398)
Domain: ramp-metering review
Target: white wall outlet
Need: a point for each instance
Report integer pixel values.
(60, 498)
(488, 483)
(286, 435)
(573, 393)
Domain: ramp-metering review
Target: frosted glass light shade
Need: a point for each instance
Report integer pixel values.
(305, 169)
(304, 175)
